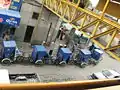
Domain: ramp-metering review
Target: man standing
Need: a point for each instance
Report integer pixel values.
(7, 36)
(59, 32)
(63, 31)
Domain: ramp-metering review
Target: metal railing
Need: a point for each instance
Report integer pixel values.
(76, 85)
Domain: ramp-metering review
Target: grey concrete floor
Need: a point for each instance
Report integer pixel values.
(50, 73)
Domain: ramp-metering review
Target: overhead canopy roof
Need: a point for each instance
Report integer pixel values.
(10, 17)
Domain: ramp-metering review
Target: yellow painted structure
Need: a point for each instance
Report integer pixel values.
(71, 12)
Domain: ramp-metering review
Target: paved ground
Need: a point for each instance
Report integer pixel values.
(70, 72)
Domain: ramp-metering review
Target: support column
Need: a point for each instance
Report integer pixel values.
(39, 20)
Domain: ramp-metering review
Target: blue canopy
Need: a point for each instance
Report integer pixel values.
(9, 43)
(10, 17)
(65, 53)
(40, 48)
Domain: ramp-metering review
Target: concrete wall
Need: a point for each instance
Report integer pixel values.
(26, 19)
(41, 33)
(43, 27)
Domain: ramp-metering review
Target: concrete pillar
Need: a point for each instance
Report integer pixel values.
(26, 14)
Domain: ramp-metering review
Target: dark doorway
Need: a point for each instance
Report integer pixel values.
(28, 33)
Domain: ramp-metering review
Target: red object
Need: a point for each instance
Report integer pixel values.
(7, 2)
(1, 20)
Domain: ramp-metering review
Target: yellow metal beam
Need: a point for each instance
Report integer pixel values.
(55, 7)
(113, 36)
(50, 3)
(93, 14)
(77, 19)
(90, 13)
(78, 2)
(57, 14)
(113, 55)
(112, 48)
(99, 44)
(112, 23)
(103, 26)
(95, 29)
(73, 15)
(65, 11)
(68, 12)
(111, 10)
(83, 22)
(97, 25)
(88, 25)
(75, 10)
(103, 33)
(104, 9)
(59, 7)
(102, 15)
(98, 19)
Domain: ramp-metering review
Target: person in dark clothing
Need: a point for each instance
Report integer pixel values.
(119, 42)
(3, 35)
(81, 35)
(82, 4)
(61, 35)
(92, 47)
(59, 32)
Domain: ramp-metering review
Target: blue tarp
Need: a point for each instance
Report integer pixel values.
(10, 17)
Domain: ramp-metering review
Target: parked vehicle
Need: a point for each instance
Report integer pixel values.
(105, 74)
(9, 52)
(98, 75)
(24, 78)
(111, 73)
